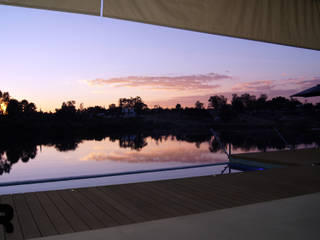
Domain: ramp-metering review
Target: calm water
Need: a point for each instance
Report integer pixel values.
(110, 156)
(98, 157)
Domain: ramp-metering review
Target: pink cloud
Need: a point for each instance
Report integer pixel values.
(291, 84)
(182, 83)
(272, 88)
(254, 86)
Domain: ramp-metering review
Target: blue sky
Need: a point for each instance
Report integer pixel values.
(48, 57)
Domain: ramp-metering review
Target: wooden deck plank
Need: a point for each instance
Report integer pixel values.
(41, 218)
(188, 205)
(179, 196)
(152, 210)
(97, 207)
(237, 189)
(275, 184)
(156, 200)
(121, 202)
(81, 210)
(26, 220)
(233, 192)
(144, 200)
(57, 218)
(17, 233)
(159, 197)
(209, 199)
(76, 223)
(99, 200)
(104, 218)
(173, 199)
(296, 157)
(226, 194)
(197, 194)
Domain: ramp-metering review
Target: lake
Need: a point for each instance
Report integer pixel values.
(109, 155)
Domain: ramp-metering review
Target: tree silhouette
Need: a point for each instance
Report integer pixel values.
(178, 106)
(13, 153)
(136, 142)
(24, 103)
(112, 106)
(217, 102)
(261, 101)
(198, 105)
(81, 107)
(5, 97)
(237, 103)
(134, 103)
(67, 110)
(27, 107)
(5, 165)
(14, 108)
(67, 145)
(30, 108)
(243, 102)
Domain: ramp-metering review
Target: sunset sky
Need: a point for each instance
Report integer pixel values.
(48, 57)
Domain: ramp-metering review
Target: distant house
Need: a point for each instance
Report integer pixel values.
(127, 112)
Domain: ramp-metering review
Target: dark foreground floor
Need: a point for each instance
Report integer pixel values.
(296, 157)
(67, 211)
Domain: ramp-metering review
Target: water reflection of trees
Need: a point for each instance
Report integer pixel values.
(133, 141)
(13, 152)
(263, 140)
(66, 146)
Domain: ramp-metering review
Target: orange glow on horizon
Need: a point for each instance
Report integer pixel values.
(3, 108)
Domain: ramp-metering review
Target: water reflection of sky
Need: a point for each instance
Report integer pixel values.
(106, 156)
(166, 152)
(97, 157)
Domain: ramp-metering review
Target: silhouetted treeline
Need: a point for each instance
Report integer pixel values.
(132, 114)
(250, 104)
(244, 103)
(13, 108)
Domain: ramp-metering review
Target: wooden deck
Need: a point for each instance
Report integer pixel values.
(66, 211)
(297, 157)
